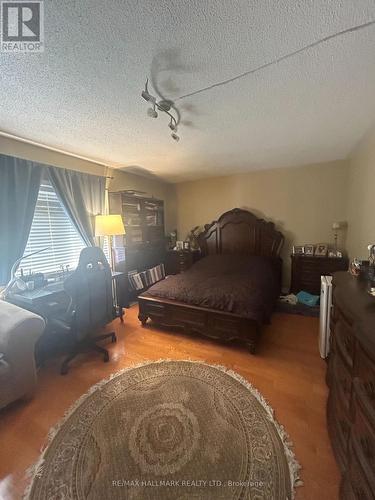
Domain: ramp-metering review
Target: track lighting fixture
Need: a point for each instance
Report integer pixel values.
(152, 113)
(164, 105)
(172, 125)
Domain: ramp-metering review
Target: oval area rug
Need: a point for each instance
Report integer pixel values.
(166, 430)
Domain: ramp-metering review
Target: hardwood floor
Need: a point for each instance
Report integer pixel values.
(287, 370)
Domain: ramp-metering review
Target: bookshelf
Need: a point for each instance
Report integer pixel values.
(143, 245)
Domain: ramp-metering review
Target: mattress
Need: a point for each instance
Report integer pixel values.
(239, 284)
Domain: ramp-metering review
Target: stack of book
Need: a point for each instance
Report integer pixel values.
(140, 281)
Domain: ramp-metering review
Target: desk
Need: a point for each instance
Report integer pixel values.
(51, 299)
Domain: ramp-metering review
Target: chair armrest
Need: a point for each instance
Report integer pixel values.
(17, 327)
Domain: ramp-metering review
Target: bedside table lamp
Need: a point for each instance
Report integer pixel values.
(109, 225)
(336, 226)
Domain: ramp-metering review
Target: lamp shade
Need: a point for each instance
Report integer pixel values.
(109, 225)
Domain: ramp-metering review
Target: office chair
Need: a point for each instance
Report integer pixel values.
(91, 305)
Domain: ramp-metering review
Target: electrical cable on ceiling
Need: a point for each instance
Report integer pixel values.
(276, 61)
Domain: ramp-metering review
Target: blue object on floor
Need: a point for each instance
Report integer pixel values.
(307, 298)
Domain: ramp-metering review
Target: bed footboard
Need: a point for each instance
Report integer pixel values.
(193, 319)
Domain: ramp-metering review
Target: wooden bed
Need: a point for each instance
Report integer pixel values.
(235, 232)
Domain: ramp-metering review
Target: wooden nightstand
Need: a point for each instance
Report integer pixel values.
(178, 261)
(306, 271)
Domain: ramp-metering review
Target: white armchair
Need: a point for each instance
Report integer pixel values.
(19, 331)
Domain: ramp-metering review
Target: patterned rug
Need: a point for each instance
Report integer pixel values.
(168, 430)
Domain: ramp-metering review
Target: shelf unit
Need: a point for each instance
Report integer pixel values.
(143, 245)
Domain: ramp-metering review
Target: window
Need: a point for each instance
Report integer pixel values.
(52, 228)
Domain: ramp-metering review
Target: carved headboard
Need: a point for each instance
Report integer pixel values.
(240, 232)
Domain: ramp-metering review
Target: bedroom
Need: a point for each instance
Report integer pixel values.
(123, 128)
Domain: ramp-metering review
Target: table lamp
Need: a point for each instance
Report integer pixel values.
(109, 225)
(336, 226)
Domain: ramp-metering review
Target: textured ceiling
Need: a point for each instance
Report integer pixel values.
(83, 93)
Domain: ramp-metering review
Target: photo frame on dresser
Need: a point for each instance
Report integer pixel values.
(309, 250)
(298, 250)
(321, 250)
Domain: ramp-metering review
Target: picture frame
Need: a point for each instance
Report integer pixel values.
(335, 254)
(298, 250)
(310, 250)
(321, 250)
(179, 245)
(186, 245)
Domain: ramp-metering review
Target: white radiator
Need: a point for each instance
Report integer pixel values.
(325, 314)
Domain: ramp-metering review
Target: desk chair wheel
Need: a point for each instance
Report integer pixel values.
(64, 369)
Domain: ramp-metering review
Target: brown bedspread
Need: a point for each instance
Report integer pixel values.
(238, 284)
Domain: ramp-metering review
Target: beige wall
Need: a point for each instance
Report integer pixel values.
(20, 149)
(361, 200)
(120, 181)
(303, 202)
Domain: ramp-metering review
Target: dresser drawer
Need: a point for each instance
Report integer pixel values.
(178, 261)
(346, 490)
(359, 485)
(344, 340)
(365, 380)
(351, 377)
(306, 272)
(338, 425)
(343, 380)
(363, 439)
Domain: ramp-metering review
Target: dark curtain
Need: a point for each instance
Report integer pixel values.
(19, 187)
(83, 197)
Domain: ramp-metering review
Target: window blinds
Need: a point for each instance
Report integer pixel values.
(51, 228)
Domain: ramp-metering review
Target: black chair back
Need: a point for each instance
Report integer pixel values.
(90, 289)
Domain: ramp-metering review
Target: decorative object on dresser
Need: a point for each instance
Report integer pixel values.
(336, 228)
(351, 381)
(371, 270)
(171, 239)
(143, 245)
(298, 250)
(252, 247)
(179, 261)
(309, 250)
(306, 271)
(193, 235)
(321, 250)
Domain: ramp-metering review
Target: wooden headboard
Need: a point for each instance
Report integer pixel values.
(240, 232)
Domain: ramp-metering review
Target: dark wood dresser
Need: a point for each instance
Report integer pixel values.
(306, 271)
(351, 381)
(179, 261)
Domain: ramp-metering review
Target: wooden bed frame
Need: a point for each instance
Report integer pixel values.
(235, 232)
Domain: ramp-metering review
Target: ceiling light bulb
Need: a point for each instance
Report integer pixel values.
(152, 113)
(175, 137)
